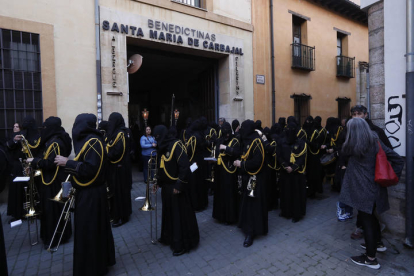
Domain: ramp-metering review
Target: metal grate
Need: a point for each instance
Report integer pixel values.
(345, 67)
(20, 79)
(303, 57)
(301, 107)
(194, 3)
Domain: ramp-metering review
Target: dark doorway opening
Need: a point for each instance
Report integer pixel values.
(192, 79)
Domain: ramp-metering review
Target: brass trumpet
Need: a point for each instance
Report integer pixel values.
(152, 185)
(31, 215)
(28, 154)
(212, 158)
(69, 201)
(251, 185)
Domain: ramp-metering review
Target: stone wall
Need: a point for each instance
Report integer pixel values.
(394, 219)
(376, 60)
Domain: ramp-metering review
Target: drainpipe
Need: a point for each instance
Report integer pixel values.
(272, 47)
(98, 62)
(409, 94)
(368, 95)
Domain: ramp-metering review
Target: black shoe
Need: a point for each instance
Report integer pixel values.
(364, 261)
(248, 241)
(178, 252)
(117, 223)
(294, 220)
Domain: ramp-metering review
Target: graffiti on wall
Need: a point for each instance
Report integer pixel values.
(394, 123)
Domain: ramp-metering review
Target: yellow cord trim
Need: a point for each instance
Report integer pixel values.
(304, 133)
(260, 145)
(184, 136)
(336, 138)
(192, 142)
(53, 147)
(220, 160)
(208, 137)
(294, 156)
(164, 159)
(120, 135)
(313, 135)
(80, 154)
(36, 145)
(324, 131)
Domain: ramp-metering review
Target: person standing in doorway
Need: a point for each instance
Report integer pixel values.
(148, 145)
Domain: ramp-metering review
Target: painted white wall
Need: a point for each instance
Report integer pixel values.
(395, 68)
(366, 3)
(236, 9)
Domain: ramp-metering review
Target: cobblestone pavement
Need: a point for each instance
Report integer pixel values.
(317, 245)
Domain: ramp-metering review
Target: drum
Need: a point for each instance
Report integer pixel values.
(328, 158)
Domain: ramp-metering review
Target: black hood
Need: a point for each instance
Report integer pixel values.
(258, 125)
(317, 122)
(331, 125)
(115, 124)
(203, 122)
(235, 124)
(84, 128)
(29, 129)
(188, 122)
(282, 122)
(291, 132)
(291, 119)
(226, 132)
(247, 132)
(52, 127)
(163, 137)
(308, 126)
(276, 129)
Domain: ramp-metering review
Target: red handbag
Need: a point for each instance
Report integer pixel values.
(384, 173)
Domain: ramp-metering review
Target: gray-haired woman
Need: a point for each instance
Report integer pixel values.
(359, 189)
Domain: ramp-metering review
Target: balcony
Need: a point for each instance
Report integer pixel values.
(303, 57)
(201, 4)
(345, 67)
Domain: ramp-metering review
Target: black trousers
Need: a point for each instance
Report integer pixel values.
(372, 231)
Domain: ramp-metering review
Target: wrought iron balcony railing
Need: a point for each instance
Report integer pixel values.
(303, 57)
(345, 67)
(194, 3)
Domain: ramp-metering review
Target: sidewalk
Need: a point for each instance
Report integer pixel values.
(317, 245)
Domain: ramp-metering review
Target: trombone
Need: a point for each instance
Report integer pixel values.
(67, 197)
(152, 180)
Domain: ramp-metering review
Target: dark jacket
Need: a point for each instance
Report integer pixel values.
(359, 189)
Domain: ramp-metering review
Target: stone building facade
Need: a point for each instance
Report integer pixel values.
(387, 30)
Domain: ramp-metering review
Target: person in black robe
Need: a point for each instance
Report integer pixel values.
(253, 218)
(273, 139)
(292, 158)
(179, 227)
(183, 133)
(55, 141)
(94, 248)
(282, 122)
(196, 145)
(119, 169)
(235, 125)
(226, 196)
(16, 195)
(314, 167)
(103, 128)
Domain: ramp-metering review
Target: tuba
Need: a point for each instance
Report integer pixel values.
(66, 195)
(151, 186)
